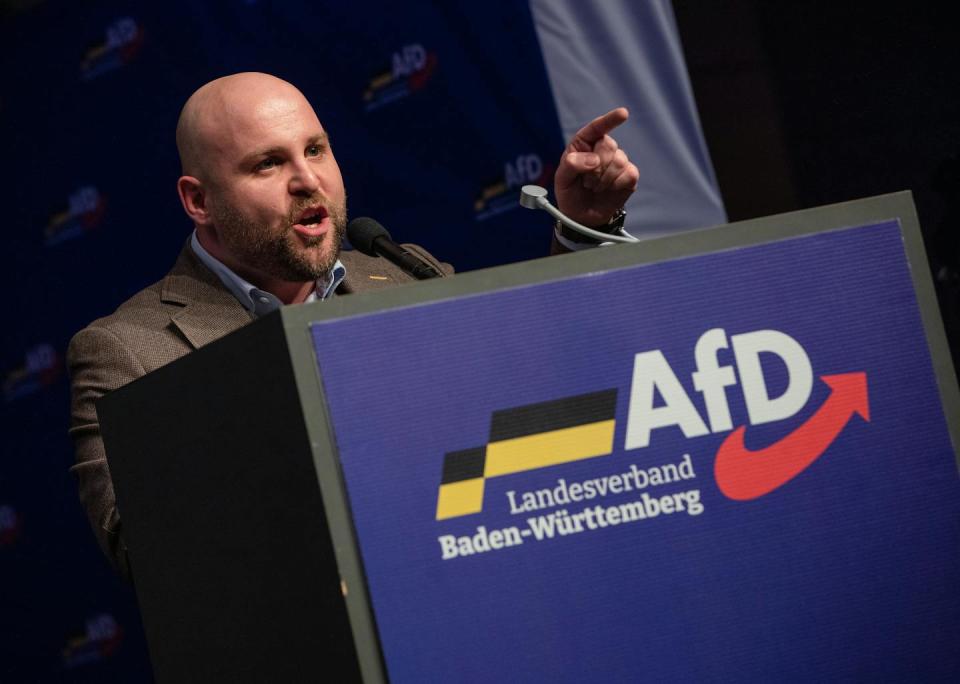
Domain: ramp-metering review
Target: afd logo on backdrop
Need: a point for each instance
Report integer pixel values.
(121, 43)
(100, 639)
(582, 427)
(40, 369)
(10, 525)
(83, 212)
(500, 194)
(411, 68)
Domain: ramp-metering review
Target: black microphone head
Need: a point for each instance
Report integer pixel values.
(362, 231)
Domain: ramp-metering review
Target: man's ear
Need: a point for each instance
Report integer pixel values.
(194, 199)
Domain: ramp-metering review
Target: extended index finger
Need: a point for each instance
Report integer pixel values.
(599, 127)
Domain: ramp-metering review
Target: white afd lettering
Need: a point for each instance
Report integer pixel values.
(409, 60)
(121, 32)
(83, 200)
(760, 407)
(41, 358)
(525, 169)
(711, 378)
(101, 628)
(652, 373)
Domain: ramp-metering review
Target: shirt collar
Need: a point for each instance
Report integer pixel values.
(257, 301)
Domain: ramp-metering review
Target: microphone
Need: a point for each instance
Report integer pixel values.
(535, 197)
(372, 239)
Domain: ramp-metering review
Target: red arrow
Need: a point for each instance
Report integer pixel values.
(743, 474)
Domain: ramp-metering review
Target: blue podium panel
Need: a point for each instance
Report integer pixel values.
(725, 467)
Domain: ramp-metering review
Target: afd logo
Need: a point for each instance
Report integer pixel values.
(741, 473)
(40, 369)
(499, 195)
(121, 44)
(84, 212)
(411, 68)
(583, 426)
(100, 639)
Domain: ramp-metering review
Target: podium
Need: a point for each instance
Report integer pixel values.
(724, 455)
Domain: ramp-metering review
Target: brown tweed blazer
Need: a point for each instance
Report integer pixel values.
(187, 309)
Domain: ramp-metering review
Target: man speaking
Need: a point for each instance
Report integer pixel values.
(263, 189)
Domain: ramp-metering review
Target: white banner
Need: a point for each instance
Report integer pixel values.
(601, 55)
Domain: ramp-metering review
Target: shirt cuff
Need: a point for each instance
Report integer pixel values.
(577, 246)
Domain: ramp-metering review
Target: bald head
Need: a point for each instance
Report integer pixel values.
(211, 116)
(260, 182)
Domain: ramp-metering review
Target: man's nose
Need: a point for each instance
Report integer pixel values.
(304, 180)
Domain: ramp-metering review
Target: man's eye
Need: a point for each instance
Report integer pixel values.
(314, 151)
(268, 163)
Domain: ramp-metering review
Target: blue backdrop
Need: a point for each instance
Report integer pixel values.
(437, 112)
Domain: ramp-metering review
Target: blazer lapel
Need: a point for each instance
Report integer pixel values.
(209, 310)
(368, 273)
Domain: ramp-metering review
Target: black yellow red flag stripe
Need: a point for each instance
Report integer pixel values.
(526, 438)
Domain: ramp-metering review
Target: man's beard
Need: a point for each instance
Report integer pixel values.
(286, 255)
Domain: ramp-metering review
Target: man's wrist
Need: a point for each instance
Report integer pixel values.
(568, 236)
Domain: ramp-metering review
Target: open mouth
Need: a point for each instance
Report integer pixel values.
(312, 216)
(312, 221)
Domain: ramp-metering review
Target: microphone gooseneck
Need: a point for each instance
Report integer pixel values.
(535, 197)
